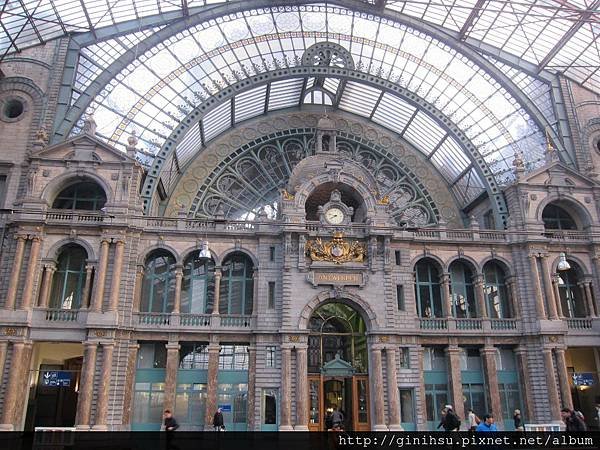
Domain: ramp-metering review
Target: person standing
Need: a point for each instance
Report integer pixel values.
(218, 423)
(487, 424)
(337, 418)
(170, 426)
(473, 420)
(518, 421)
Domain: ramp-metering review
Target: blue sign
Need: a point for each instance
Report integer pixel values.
(583, 379)
(56, 378)
(225, 408)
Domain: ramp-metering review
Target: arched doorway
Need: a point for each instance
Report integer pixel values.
(338, 368)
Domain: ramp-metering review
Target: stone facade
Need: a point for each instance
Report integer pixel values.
(119, 238)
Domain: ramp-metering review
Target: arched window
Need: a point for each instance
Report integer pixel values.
(86, 195)
(496, 293)
(427, 289)
(572, 298)
(556, 218)
(198, 285)
(461, 290)
(158, 288)
(69, 278)
(237, 285)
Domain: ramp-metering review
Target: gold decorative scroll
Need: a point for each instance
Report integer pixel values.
(338, 250)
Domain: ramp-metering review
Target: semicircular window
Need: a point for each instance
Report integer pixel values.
(247, 184)
(85, 195)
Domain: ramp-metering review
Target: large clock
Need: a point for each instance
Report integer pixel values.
(335, 216)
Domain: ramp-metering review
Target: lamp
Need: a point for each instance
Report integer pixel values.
(563, 264)
(204, 251)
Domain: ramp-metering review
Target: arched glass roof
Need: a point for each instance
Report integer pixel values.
(163, 85)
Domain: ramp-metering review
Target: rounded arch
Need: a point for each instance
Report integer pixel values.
(464, 259)
(500, 261)
(578, 212)
(242, 250)
(56, 248)
(143, 256)
(63, 181)
(437, 261)
(348, 298)
(188, 252)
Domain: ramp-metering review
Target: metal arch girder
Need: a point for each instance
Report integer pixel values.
(66, 116)
(170, 145)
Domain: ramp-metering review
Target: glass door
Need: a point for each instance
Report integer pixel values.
(315, 403)
(361, 421)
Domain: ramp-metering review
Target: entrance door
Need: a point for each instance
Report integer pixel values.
(315, 403)
(360, 415)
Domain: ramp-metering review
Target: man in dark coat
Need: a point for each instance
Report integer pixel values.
(170, 426)
(218, 420)
(572, 420)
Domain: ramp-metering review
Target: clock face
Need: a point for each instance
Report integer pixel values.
(334, 216)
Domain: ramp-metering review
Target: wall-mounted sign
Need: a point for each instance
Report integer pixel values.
(56, 378)
(336, 278)
(583, 379)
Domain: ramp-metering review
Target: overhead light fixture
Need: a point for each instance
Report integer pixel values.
(204, 251)
(563, 264)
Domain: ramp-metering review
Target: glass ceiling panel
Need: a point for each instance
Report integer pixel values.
(164, 84)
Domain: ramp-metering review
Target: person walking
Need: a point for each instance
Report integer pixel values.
(572, 421)
(487, 424)
(518, 421)
(337, 418)
(218, 423)
(170, 426)
(450, 421)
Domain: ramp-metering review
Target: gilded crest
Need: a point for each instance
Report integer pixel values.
(337, 250)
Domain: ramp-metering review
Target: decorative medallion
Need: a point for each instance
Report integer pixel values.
(338, 250)
(10, 331)
(384, 339)
(294, 338)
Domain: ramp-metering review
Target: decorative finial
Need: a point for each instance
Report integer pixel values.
(519, 165)
(132, 141)
(89, 125)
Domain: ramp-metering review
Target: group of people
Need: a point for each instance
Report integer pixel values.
(171, 424)
(451, 422)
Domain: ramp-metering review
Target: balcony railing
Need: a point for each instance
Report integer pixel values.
(235, 321)
(579, 324)
(74, 217)
(469, 324)
(503, 324)
(562, 235)
(62, 315)
(154, 318)
(433, 324)
(195, 320)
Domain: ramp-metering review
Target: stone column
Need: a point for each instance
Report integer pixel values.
(255, 281)
(555, 284)
(301, 388)
(171, 375)
(16, 386)
(488, 354)
(480, 296)
(137, 294)
(178, 282)
(3, 351)
(217, 290)
(554, 402)
(393, 393)
(456, 393)
(587, 285)
(537, 287)
(47, 277)
(513, 292)
(129, 384)
(286, 391)
(251, 388)
(563, 378)
(446, 297)
(115, 285)
(13, 282)
(28, 286)
(212, 384)
(101, 418)
(98, 297)
(524, 379)
(86, 386)
(421, 405)
(377, 390)
(548, 292)
(87, 286)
